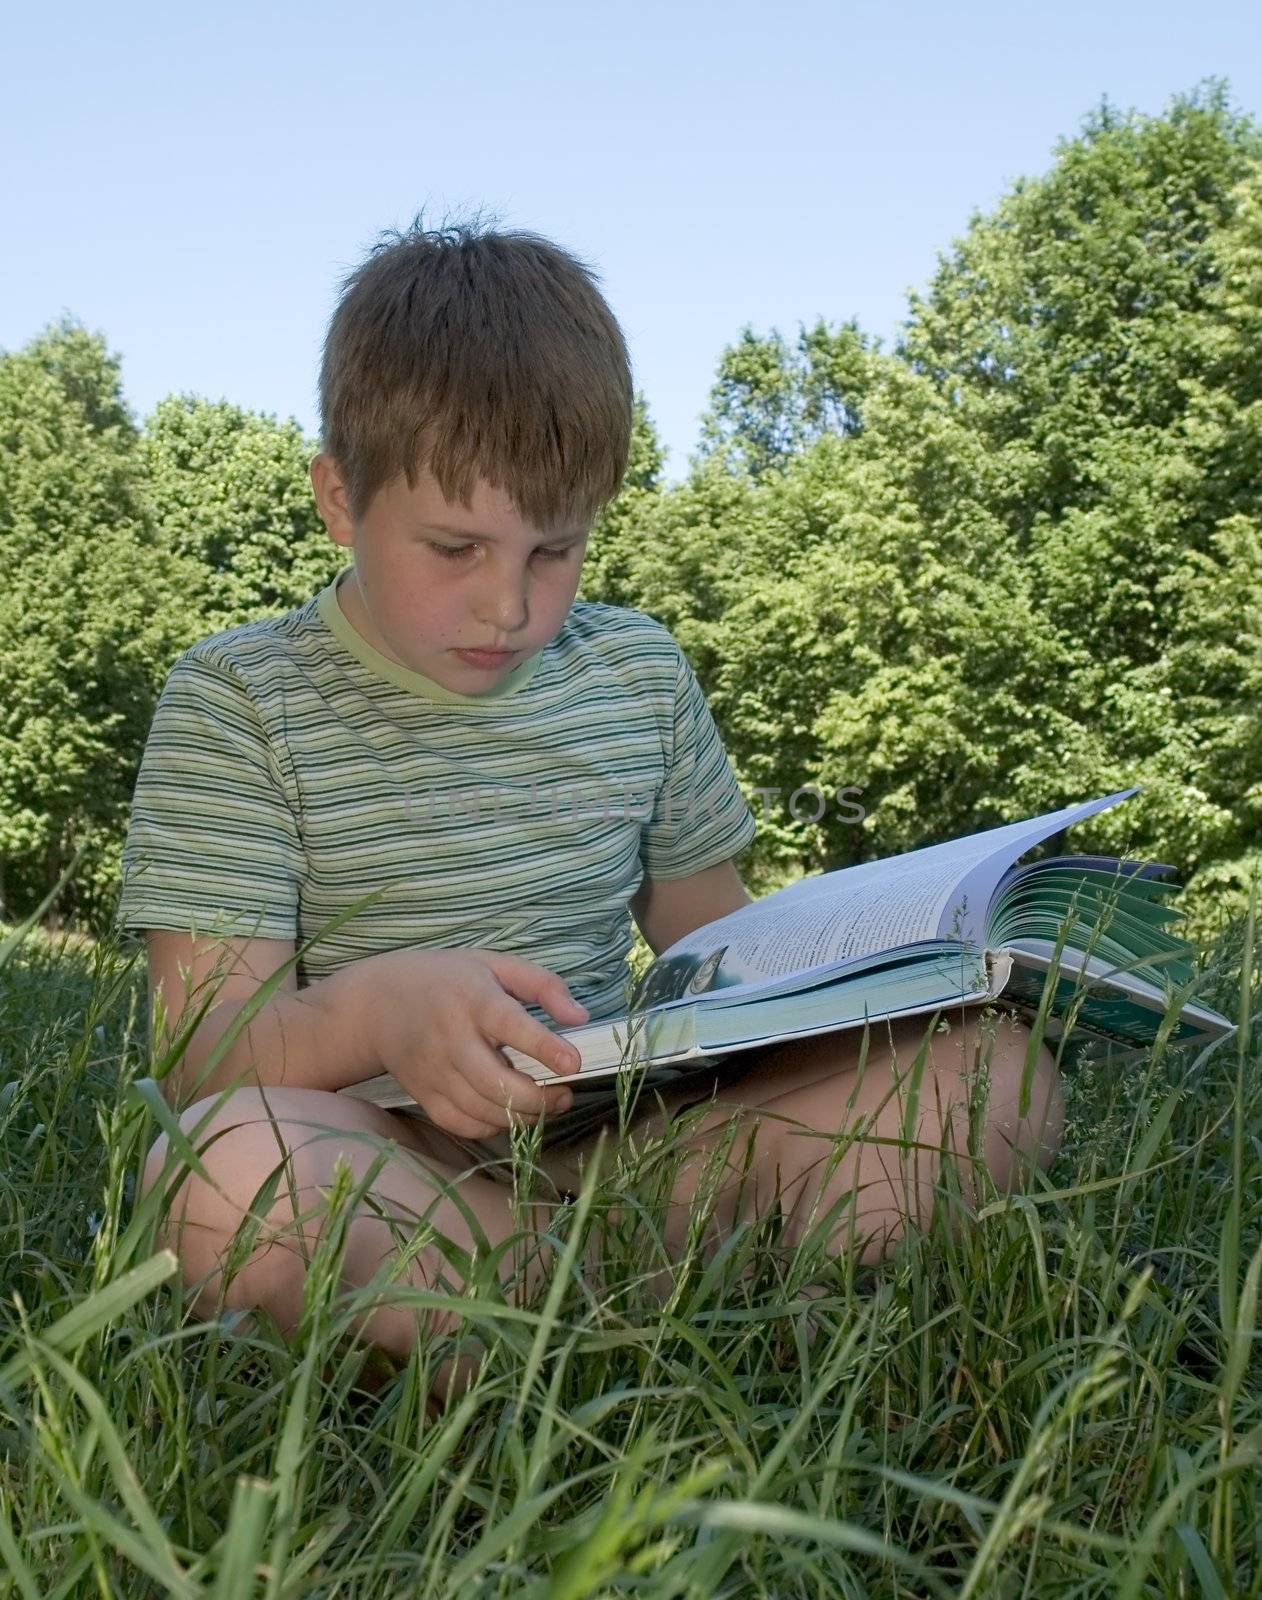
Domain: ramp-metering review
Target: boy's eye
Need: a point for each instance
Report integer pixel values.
(452, 552)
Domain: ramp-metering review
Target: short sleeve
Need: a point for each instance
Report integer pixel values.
(212, 842)
(700, 817)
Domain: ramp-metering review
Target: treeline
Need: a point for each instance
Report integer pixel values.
(1010, 563)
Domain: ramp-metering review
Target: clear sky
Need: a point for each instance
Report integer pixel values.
(194, 182)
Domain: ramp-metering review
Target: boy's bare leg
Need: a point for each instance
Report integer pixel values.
(800, 1094)
(244, 1141)
(792, 1102)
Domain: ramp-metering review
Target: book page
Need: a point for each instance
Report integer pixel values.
(832, 919)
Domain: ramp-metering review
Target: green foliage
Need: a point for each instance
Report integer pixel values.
(230, 491)
(125, 547)
(1067, 313)
(1011, 563)
(769, 402)
(91, 615)
(616, 535)
(1054, 1394)
(1019, 564)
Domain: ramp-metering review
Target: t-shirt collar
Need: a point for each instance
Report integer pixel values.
(402, 677)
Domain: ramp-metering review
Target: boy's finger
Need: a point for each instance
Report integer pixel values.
(467, 1097)
(538, 1041)
(526, 980)
(516, 1027)
(445, 1114)
(496, 1079)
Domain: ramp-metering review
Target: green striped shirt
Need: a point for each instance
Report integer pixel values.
(291, 768)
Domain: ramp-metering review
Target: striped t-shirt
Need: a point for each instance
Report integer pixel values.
(291, 769)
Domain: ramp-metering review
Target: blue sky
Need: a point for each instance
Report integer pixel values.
(195, 182)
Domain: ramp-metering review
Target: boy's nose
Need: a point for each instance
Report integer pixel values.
(504, 608)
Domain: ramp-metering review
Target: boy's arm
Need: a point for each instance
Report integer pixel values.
(665, 909)
(305, 1038)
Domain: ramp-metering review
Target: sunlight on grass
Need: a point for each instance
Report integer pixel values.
(1064, 1400)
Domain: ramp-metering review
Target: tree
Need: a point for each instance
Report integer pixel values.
(892, 647)
(1098, 331)
(1066, 313)
(92, 613)
(1010, 564)
(1020, 569)
(618, 533)
(768, 402)
(229, 491)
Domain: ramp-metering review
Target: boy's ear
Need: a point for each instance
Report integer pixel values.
(330, 497)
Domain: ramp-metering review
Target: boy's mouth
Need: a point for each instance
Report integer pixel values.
(485, 658)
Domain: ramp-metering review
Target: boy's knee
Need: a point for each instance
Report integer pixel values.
(239, 1148)
(232, 1141)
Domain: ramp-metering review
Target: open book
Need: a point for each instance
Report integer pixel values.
(952, 924)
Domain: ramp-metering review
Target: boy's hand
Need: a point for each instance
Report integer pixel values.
(435, 1019)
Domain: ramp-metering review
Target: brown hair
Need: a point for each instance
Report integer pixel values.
(477, 354)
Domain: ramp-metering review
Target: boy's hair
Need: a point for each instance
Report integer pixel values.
(477, 354)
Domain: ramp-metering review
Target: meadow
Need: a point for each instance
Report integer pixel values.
(1061, 1398)
(1009, 563)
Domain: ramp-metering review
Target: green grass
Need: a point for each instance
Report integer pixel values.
(1064, 1401)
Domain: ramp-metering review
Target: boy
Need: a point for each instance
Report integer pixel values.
(476, 409)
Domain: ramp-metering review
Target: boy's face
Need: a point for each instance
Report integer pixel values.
(432, 579)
